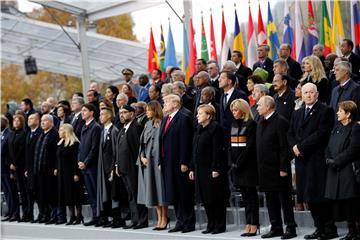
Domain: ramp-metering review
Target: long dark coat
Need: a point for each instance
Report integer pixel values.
(273, 153)
(311, 136)
(69, 191)
(29, 156)
(208, 156)
(17, 140)
(175, 143)
(106, 160)
(127, 145)
(244, 172)
(340, 181)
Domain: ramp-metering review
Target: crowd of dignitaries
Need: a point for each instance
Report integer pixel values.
(155, 142)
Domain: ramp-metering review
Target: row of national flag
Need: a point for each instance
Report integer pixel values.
(330, 35)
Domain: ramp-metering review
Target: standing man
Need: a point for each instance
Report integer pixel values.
(346, 49)
(264, 61)
(76, 120)
(214, 72)
(127, 145)
(175, 149)
(88, 156)
(105, 161)
(128, 75)
(318, 50)
(144, 91)
(284, 96)
(242, 72)
(308, 135)
(274, 168)
(294, 67)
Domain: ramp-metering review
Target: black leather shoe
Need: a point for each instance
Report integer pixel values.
(51, 221)
(59, 222)
(188, 229)
(36, 220)
(176, 229)
(326, 236)
(132, 225)
(207, 231)
(14, 219)
(289, 235)
(6, 218)
(44, 220)
(93, 221)
(101, 223)
(217, 231)
(117, 224)
(349, 236)
(141, 225)
(273, 233)
(314, 235)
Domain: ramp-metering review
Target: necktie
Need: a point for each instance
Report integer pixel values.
(307, 110)
(225, 101)
(340, 92)
(167, 123)
(31, 134)
(105, 133)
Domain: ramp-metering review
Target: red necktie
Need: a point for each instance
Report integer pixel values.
(167, 123)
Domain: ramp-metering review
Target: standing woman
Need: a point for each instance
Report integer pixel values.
(127, 89)
(63, 113)
(111, 95)
(314, 73)
(209, 169)
(341, 187)
(68, 173)
(150, 184)
(242, 156)
(16, 143)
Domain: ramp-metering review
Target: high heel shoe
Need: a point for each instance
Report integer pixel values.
(254, 230)
(79, 219)
(71, 221)
(246, 231)
(165, 227)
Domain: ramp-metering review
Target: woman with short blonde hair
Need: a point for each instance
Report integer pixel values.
(243, 106)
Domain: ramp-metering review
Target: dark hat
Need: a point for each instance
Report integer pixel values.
(129, 108)
(127, 71)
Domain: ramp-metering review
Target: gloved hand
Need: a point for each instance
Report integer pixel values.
(331, 163)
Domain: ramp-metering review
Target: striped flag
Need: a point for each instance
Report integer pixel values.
(204, 48)
(192, 46)
(355, 26)
(272, 36)
(325, 30)
(162, 50)
(299, 46)
(213, 54)
(225, 46)
(338, 34)
(261, 29)
(153, 60)
(313, 37)
(238, 44)
(251, 59)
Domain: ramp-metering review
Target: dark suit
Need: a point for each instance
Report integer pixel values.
(311, 135)
(175, 149)
(77, 122)
(31, 140)
(226, 117)
(294, 68)
(273, 156)
(127, 145)
(350, 91)
(242, 75)
(285, 103)
(187, 101)
(268, 65)
(88, 154)
(354, 59)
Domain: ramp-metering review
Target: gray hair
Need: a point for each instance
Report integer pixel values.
(205, 75)
(210, 90)
(268, 101)
(262, 88)
(345, 66)
(79, 100)
(265, 46)
(179, 73)
(231, 65)
(167, 88)
(122, 96)
(310, 85)
(320, 46)
(282, 63)
(49, 117)
(180, 85)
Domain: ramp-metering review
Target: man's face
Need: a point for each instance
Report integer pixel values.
(309, 95)
(75, 106)
(341, 74)
(125, 116)
(205, 97)
(317, 51)
(94, 86)
(262, 53)
(153, 94)
(284, 51)
(278, 83)
(33, 121)
(24, 107)
(213, 70)
(120, 102)
(200, 66)
(345, 48)
(168, 106)
(143, 81)
(105, 117)
(262, 108)
(46, 123)
(86, 114)
(45, 108)
(201, 82)
(223, 81)
(279, 69)
(90, 96)
(155, 75)
(176, 77)
(257, 94)
(235, 58)
(127, 76)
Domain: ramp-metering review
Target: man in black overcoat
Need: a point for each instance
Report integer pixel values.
(127, 150)
(264, 61)
(308, 135)
(76, 120)
(175, 148)
(294, 67)
(347, 50)
(273, 154)
(284, 96)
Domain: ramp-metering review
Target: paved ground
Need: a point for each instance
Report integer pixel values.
(41, 231)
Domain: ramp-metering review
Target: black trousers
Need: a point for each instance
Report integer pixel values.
(20, 183)
(30, 203)
(216, 215)
(251, 201)
(185, 213)
(322, 215)
(8, 186)
(277, 200)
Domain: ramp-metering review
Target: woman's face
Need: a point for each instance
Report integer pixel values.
(17, 123)
(109, 94)
(102, 105)
(307, 66)
(250, 85)
(61, 132)
(237, 113)
(125, 89)
(342, 115)
(298, 91)
(202, 116)
(60, 112)
(149, 113)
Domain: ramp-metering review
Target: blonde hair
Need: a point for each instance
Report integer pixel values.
(208, 109)
(317, 73)
(243, 106)
(70, 137)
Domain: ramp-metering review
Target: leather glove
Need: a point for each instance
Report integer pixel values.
(331, 163)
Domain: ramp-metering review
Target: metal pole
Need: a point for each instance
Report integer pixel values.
(81, 26)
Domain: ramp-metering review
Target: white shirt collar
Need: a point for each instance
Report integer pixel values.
(238, 65)
(173, 114)
(108, 127)
(126, 126)
(230, 91)
(268, 116)
(343, 84)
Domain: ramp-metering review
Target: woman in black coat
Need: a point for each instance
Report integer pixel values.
(208, 169)
(68, 173)
(341, 187)
(242, 159)
(16, 144)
